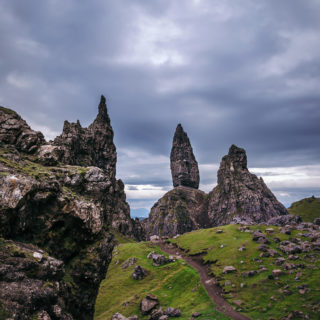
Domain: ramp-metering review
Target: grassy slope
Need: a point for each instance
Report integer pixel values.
(175, 284)
(308, 209)
(257, 290)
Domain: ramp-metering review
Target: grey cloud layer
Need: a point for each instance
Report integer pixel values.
(231, 72)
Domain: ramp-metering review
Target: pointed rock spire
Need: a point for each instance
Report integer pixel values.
(241, 196)
(103, 113)
(184, 166)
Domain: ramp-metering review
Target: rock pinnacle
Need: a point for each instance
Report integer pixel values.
(184, 166)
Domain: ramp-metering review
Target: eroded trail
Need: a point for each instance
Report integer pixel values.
(209, 282)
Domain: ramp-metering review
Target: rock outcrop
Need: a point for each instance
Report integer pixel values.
(184, 166)
(240, 196)
(58, 207)
(15, 131)
(180, 210)
(92, 146)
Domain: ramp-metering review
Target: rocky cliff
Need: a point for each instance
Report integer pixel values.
(180, 210)
(59, 203)
(184, 166)
(241, 196)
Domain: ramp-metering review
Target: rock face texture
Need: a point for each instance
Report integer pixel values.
(92, 146)
(240, 196)
(180, 210)
(58, 207)
(184, 166)
(15, 131)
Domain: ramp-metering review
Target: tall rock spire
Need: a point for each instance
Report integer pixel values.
(241, 195)
(184, 166)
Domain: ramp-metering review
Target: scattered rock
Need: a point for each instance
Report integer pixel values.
(250, 273)
(118, 316)
(129, 262)
(229, 269)
(139, 273)
(148, 303)
(172, 312)
(156, 314)
(277, 272)
(196, 314)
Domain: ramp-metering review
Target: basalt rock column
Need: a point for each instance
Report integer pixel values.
(241, 196)
(184, 166)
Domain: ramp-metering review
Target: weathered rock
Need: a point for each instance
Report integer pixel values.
(196, 314)
(180, 210)
(159, 259)
(50, 155)
(129, 262)
(172, 312)
(156, 314)
(14, 131)
(65, 211)
(250, 273)
(118, 316)
(277, 272)
(240, 196)
(289, 247)
(92, 146)
(229, 269)
(148, 303)
(184, 167)
(289, 219)
(139, 273)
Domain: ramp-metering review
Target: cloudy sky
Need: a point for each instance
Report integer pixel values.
(244, 72)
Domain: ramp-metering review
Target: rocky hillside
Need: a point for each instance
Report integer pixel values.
(241, 196)
(265, 272)
(308, 209)
(59, 201)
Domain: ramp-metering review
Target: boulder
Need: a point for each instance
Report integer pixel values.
(229, 269)
(172, 312)
(118, 316)
(139, 273)
(277, 272)
(148, 304)
(129, 262)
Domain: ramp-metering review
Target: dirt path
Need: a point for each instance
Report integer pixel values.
(209, 282)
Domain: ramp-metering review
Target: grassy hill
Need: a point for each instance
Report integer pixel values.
(258, 296)
(175, 284)
(308, 209)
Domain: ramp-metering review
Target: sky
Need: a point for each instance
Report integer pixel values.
(231, 72)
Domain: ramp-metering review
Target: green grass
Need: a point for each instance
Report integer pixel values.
(175, 284)
(308, 209)
(257, 290)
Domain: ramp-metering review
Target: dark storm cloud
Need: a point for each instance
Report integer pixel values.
(246, 73)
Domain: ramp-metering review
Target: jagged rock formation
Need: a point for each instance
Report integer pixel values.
(55, 217)
(180, 210)
(15, 131)
(240, 195)
(184, 166)
(92, 146)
